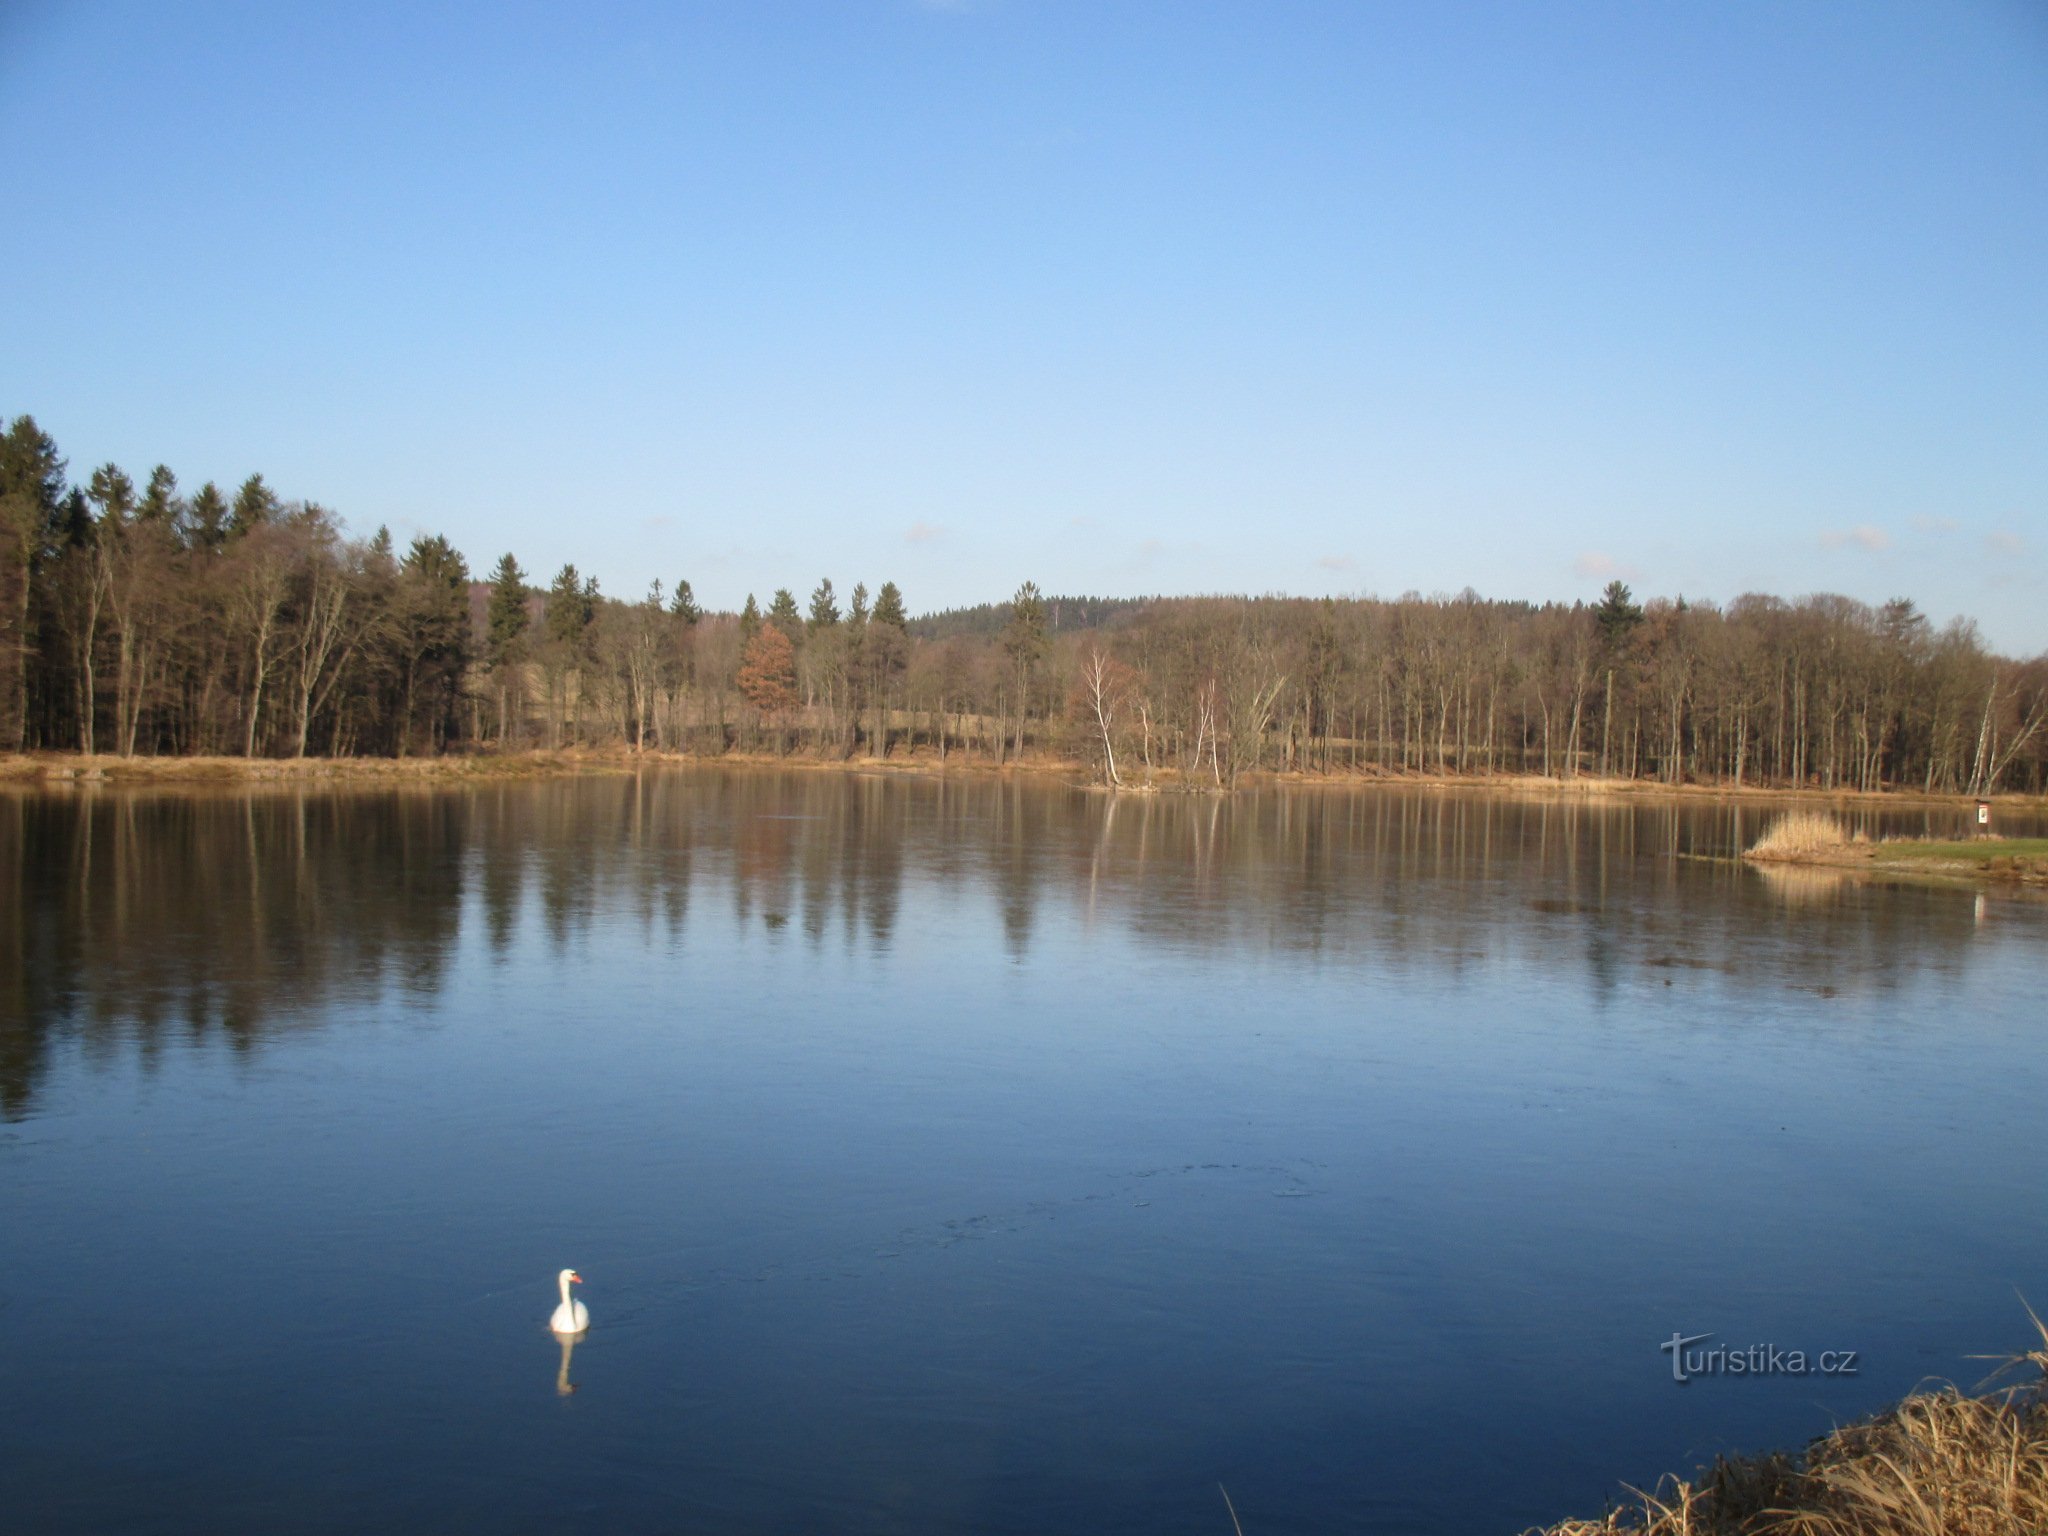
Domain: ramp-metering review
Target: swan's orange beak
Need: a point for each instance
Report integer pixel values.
(574, 1278)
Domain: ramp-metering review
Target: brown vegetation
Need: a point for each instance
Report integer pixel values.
(1800, 836)
(1939, 1464)
(1812, 838)
(147, 623)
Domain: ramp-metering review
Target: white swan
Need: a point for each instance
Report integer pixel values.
(571, 1317)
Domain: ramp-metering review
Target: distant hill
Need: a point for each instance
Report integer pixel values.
(1061, 613)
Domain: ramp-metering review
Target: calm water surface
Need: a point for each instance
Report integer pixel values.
(970, 1156)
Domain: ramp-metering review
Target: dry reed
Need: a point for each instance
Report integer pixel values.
(1939, 1464)
(1800, 835)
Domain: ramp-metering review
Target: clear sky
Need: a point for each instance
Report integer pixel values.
(1276, 295)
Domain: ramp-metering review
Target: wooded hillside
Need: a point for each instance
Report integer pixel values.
(137, 619)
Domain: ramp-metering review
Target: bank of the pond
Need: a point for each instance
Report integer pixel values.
(1940, 1463)
(71, 769)
(1811, 839)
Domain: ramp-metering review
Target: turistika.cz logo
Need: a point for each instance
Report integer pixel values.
(1757, 1360)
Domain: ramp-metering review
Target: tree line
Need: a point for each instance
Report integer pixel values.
(139, 620)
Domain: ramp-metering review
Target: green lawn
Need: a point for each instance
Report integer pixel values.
(1975, 850)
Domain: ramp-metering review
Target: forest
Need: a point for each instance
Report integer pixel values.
(136, 619)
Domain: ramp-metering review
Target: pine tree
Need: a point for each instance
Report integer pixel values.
(160, 504)
(208, 518)
(824, 609)
(31, 495)
(572, 604)
(433, 614)
(887, 650)
(1616, 615)
(685, 605)
(750, 619)
(505, 624)
(1024, 641)
(889, 607)
(113, 493)
(783, 615)
(255, 505)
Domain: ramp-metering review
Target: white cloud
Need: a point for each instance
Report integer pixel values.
(1336, 563)
(1862, 536)
(2010, 545)
(923, 533)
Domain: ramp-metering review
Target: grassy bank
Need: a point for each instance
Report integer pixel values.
(66, 770)
(1939, 1464)
(1817, 840)
(70, 769)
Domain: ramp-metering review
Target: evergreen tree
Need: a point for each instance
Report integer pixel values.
(208, 518)
(783, 615)
(824, 609)
(750, 619)
(685, 605)
(433, 616)
(113, 493)
(572, 604)
(31, 495)
(886, 649)
(1616, 615)
(506, 619)
(160, 504)
(255, 505)
(1024, 641)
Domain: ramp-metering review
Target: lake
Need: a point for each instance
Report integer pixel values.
(973, 1155)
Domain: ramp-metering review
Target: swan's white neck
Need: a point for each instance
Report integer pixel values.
(565, 1290)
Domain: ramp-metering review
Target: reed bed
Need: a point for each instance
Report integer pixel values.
(1800, 835)
(1941, 1463)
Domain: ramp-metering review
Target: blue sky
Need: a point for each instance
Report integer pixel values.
(1122, 297)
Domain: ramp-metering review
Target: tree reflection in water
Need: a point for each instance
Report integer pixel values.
(145, 917)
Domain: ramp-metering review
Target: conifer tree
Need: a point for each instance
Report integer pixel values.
(783, 615)
(1024, 641)
(160, 504)
(433, 618)
(824, 608)
(505, 625)
(208, 517)
(1617, 615)
(113, 493)
(31, 492)
(685, 605)
(255, 505)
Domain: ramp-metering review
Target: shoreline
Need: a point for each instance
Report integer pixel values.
(1936, 1461)
(72, 770)
(2008, 861)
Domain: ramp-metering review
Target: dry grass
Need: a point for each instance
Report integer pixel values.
(1939, 1464)
(72, 769)
(1800, 835)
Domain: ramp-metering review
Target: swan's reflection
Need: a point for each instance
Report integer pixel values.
(564, 1387)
